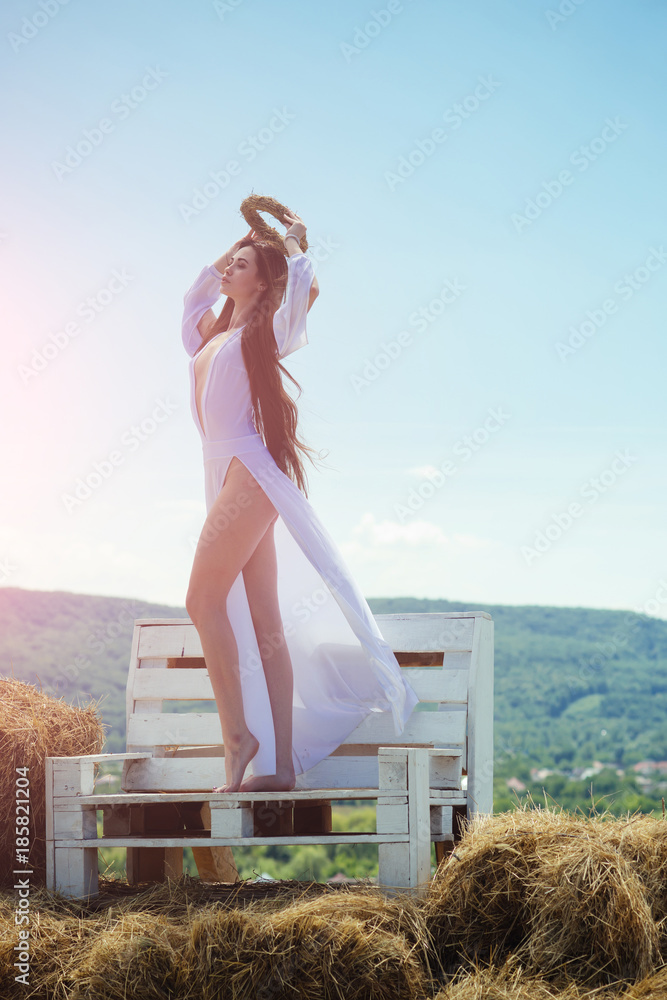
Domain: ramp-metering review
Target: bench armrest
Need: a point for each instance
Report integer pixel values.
(106, 756)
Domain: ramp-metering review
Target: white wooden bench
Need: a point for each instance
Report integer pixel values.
(173, 759)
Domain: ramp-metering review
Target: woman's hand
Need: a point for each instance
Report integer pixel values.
(222, 262)
(238, 243)
(295, 225)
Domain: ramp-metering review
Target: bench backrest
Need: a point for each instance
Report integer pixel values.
(447, 657)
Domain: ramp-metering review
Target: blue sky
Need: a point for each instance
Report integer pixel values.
(484, 194)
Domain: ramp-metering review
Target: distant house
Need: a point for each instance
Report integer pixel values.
(515, 785)
(539, 773)
(650, 767)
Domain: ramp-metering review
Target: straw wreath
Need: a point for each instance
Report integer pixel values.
(256, 203)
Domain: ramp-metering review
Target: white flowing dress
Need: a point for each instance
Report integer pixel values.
(343, 668)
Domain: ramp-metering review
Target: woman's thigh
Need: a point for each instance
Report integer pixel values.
(260, 577)
(237, 520)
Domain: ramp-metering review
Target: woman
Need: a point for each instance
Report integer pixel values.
(295, 657)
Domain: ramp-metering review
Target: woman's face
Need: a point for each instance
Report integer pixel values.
(241, 280)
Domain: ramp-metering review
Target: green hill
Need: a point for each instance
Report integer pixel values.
(572, 685)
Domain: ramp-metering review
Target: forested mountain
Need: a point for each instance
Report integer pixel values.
(572, 685)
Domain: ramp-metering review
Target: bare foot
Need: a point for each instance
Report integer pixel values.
(281, 781)
(237, 758)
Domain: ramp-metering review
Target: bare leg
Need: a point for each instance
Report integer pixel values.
(260, 575)
(225, 546)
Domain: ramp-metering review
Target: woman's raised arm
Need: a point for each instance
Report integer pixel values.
(296, 227)
(222, 262)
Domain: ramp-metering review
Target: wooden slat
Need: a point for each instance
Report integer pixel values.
(456, 660)
(418, 632)
(165, 641)
(205, 841)
(433, 658)
(427, 631)
(101, 757)
(193, 774)
(101, 799)
(438, 797)
(431, 684)
(448, 687)
(190, 774)
(192, 728)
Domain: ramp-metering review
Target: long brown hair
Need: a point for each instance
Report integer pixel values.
(275, 413)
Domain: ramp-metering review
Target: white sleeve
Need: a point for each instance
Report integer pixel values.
(289, 319)
(199, 297)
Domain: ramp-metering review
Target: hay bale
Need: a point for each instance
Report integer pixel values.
(589, 915)
(104, 957)
(642, 841)
(476, 902)
(132, 955)
(560, 891)
(34, 726)
(55, 946)
(510, 982)
(235, 955)
(141, 946)
(401, 914)
(653, 987)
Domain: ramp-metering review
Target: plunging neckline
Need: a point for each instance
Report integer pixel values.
(207, 372)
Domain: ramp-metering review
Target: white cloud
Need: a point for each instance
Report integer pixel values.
(383, 533)
(418, 558)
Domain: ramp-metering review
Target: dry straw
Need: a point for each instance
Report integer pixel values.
(653, 987)
(570, 896)
(642, 841)
(168, 941)
(243, 954)
(34, 726)
(256, 203)
(588, 914)
(131, 956)
(510, 982)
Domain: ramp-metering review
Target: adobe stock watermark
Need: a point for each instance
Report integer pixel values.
(31, 26)
(88, 310)
(224, 7)
(321, 249)
(591, 491)
(581, 158)
(565, 9)
(131, 440)
(467, 446)
(626, 287)
(426, 147)
(248, 150)
(24, 825)
(420, 319)
(363, 36)
(122, 107)
(301, 612)
(225, 510)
